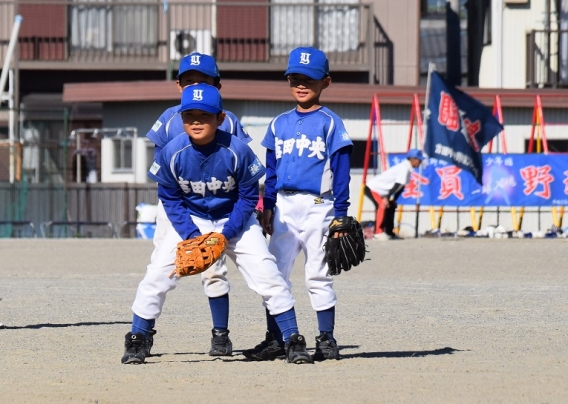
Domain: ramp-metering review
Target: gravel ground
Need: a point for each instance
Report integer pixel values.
(421, 321)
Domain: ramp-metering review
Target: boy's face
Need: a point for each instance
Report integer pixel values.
(305, 90)
(415, 163)
(201, 125)
(192, 77)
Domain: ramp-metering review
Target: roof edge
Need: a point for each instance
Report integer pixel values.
(356, 93)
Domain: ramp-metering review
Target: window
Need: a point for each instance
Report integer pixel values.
(90, 27)
(128, 29)
(333, 28)
(358, 155)
(122, 154)
(554, 145)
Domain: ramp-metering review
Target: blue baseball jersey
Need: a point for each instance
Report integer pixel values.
(169, 125)
(303, 144)
(207, 186)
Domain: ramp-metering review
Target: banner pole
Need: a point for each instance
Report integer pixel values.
(372, 119)
(431, 68)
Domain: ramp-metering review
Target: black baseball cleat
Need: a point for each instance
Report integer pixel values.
(296, 350)
(221, 345)
(135, 349)
(267, 350)
(325, 348)
(150, 342)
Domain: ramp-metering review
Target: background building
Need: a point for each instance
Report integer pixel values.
(91, 77)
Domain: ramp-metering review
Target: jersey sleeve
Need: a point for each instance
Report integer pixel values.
(170, 192)
(269, 137)
(340, 166)
(340, 147)
(269, 199)
(337, 136)
(161, 172)
(157, 151)
(249, 169)
(243, 209)
(178, 215)
(160, 133)
(232, 125)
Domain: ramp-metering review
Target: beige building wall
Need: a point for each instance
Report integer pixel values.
(517, 22)
(400, 19)
(7, 15)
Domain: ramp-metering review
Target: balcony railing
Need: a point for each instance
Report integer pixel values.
(246, 35)
(547, 58)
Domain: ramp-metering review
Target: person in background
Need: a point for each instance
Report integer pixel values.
(385, 188)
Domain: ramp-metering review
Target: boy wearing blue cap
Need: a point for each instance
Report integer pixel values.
(385, 188)
(208, 182)
(306, 186)
(193, 69)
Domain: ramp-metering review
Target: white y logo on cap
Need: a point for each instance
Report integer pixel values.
(195, 60)
(305, 58)
(197, 95)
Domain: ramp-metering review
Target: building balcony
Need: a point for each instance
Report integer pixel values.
(244, 36)
(547, 58)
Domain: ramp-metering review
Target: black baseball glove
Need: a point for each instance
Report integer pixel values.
(347, 251)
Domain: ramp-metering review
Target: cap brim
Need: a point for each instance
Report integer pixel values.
(196, 68)
(306, 71)
(201, 107)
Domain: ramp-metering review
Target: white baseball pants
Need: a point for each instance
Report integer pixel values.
(214, 280)
(248, 251)
(301, 223)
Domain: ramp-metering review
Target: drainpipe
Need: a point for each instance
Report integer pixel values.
(3, 78)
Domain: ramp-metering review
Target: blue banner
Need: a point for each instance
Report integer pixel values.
(458, 127)
(508, 180)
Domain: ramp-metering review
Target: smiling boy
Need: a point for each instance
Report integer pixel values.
(306, 186)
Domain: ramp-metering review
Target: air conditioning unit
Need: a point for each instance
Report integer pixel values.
(185, 41)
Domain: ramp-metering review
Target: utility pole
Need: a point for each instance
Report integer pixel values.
(453, 42)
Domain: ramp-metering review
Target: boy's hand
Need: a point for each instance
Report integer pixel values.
(266, 222)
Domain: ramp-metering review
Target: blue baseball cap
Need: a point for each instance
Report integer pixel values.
(202, 97)
(415, 154)
(308, 61)
(200, 62)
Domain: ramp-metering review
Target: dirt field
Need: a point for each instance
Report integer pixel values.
(422, 321)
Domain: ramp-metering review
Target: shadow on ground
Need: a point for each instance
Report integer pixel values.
(49, 325)
(401, 354)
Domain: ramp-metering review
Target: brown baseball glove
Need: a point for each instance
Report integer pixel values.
(197, 254)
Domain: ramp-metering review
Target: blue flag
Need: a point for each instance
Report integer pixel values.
(458, 127)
